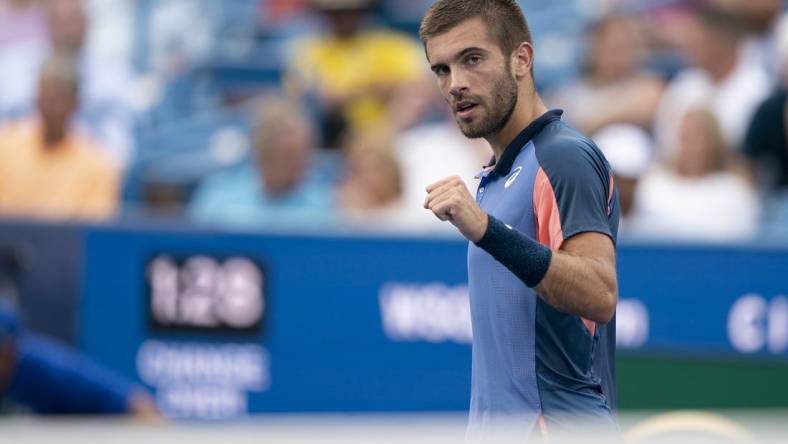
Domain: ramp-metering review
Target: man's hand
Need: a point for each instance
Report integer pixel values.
(450, 200)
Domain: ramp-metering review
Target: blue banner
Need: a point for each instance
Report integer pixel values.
(319, 344)
(704, 300)
(220, 325)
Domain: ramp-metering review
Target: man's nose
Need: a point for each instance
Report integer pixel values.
(459, 85)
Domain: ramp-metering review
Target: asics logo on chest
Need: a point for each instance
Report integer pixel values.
(512, 177)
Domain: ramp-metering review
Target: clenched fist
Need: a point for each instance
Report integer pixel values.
(450, 200)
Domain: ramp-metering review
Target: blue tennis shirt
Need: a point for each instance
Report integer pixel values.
(531, 361)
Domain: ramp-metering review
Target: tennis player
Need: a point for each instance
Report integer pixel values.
(542, 230)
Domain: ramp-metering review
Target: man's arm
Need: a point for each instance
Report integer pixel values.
(578, 279)
(581, 279)
(53, 378)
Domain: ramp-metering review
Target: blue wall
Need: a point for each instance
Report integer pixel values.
(284, 323)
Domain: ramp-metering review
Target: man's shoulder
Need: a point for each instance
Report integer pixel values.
(560, 144)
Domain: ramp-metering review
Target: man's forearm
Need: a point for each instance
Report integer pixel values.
(581, 286)
(525, 257)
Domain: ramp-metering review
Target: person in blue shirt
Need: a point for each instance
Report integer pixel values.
(279, 185)
(51, 378)
(542, 230)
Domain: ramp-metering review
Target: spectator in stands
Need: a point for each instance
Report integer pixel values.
(48, 377)
(614, 88)
(353, 72)
(46, 168)
(700, 195)
(277, 186)
(371, 190)
(720, 77)
(104, 71)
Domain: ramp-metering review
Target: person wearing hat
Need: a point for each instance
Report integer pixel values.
(628, 149)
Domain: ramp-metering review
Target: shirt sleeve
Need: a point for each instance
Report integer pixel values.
(574, 192)
(51, 378)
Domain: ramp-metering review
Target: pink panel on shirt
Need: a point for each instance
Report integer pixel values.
(548, 221)
(610, 196)
(590, 325)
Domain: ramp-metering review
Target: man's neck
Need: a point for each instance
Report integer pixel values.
(53, 137)
(528, 109)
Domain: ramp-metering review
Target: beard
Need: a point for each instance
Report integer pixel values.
(498, 114)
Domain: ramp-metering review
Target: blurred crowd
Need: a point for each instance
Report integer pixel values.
(308, 114)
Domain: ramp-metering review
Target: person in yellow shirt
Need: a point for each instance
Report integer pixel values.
(46, 169)
(354, 72)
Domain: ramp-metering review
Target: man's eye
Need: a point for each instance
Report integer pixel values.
(473, 60)
(441, 70)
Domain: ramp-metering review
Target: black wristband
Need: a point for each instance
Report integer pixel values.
(523, 256)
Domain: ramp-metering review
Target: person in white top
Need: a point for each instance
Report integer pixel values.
(721, 77)
(699, 196)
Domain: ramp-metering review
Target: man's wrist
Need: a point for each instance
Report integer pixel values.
(483, 227)
(525, 257)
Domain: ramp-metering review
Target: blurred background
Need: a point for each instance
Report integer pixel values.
(212, 209)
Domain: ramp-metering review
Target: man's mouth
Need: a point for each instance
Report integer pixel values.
(464, 109)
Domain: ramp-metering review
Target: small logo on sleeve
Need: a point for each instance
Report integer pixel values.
(512, 177)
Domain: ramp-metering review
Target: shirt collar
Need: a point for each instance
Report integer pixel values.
(503, 167)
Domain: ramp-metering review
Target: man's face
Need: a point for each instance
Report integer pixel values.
(285, 163)
(616, 48)
(706, 43)
(56, 102)
(474, 77)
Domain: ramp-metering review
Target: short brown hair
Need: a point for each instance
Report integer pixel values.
(504, 19)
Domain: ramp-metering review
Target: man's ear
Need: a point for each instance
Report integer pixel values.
(522, 60)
